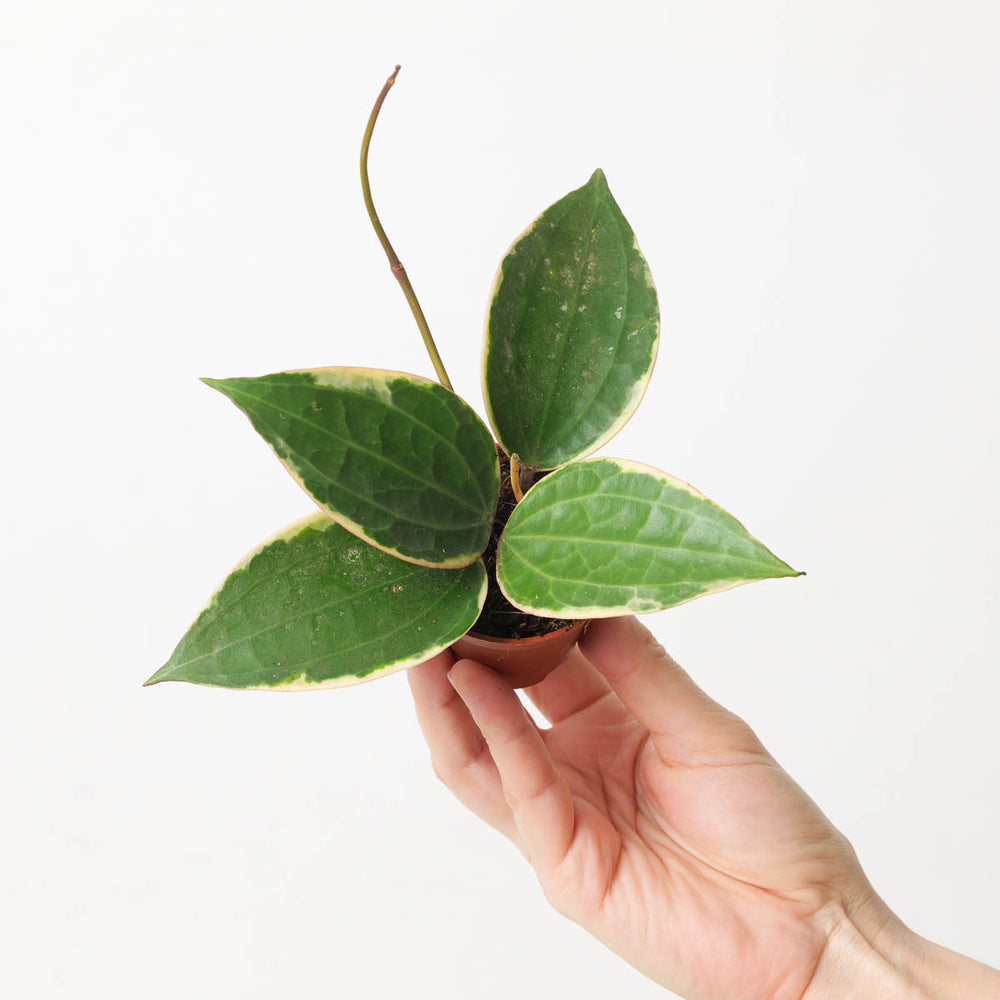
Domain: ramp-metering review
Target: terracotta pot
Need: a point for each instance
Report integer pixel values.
(521, 661)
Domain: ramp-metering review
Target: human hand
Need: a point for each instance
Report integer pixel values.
(656, 819)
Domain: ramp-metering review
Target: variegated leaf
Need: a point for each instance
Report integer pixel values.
(316, 607)
(607, 537)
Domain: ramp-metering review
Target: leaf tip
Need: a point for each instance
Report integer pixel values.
(598, 180)
(155, 679)
(228, 387)
(790, 571)
(163, 674)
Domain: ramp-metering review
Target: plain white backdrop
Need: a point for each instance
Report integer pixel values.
(814, 185)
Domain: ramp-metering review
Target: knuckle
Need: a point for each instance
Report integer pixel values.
(440, 773)
(650, 646)
(557, 899)
(743, 734)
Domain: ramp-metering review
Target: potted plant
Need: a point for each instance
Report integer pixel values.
(431, 531)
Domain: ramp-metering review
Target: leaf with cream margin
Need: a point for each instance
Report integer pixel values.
(572, 331)
(398, 460)
(316, 607)
(607, 537)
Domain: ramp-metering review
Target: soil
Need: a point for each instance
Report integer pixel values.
(499, 618)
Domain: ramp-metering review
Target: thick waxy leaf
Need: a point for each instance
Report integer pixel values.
(398, 460)
(607, 537)
(316, 607)
(572, 331)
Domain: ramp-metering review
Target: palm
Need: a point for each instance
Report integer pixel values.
(664, 827)
(672, 865)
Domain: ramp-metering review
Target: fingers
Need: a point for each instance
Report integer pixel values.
(459, 754)
(573, 687)
(538, 796)
(687, 727)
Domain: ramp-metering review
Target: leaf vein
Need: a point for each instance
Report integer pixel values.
(378, 457)
(331, 606)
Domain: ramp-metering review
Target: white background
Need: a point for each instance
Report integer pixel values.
(815, 187)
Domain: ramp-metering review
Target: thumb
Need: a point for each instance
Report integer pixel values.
(687, 727)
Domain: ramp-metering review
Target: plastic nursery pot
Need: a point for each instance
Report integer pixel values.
(521, 661)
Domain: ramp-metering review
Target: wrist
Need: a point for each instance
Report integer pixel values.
(872, 955)
(863, 957)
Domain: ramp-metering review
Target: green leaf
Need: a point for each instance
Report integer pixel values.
(608, 537)
(398, 460)
(315, 607)
(572, 331)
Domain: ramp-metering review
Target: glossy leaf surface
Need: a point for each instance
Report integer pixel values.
(398, 460)
(572, 331)
(606, 537)
(317, 607)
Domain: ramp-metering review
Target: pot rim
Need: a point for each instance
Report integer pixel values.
(526, 640)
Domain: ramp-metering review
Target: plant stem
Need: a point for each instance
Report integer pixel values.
(515, 478)
(394, 264)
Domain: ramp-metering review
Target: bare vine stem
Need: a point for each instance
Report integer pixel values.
(394, 263)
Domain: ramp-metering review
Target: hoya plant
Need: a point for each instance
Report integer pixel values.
(431, 524)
